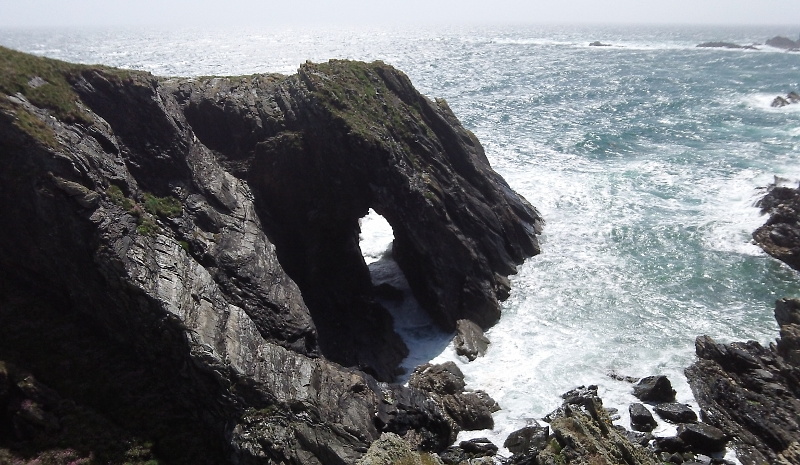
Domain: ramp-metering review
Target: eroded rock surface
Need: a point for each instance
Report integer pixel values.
(751, 392)
(199, 238)
(780, 235)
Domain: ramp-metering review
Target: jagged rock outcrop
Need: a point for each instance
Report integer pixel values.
(582, 433)
(467, 409)
(780, 235)
(781, 101)
(752, 393)
(182, 254)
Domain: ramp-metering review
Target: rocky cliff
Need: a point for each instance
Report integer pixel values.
(181, 255)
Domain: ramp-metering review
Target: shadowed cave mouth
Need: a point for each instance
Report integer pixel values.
(420, 334)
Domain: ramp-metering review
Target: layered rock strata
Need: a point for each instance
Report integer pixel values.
(780, 235)
(201, 236)
(751, 392)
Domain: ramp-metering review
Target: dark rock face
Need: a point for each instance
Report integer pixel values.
(654, 389)
(752, 393)
(780, 235)
(201, 236)
(641, 418)
(469, 340)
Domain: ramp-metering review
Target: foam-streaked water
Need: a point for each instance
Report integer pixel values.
(645, 158)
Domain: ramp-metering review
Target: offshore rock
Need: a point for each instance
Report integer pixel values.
(187, 251)
(726, 45)
(752, 393)
(780, 235)
(783, 43)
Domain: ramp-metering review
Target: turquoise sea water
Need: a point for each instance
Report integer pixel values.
(645, 158)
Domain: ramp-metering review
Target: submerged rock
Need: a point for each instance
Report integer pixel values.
(726, 45)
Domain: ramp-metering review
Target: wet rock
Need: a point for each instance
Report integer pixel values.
(469, 340)
(654, 389)
(700, 437)
(467, 409)
(479, 447)
(669, 444)
(528, 438)
(750, 392)
(780, 235)
(641, 418)
(583, 433)
(676, 413)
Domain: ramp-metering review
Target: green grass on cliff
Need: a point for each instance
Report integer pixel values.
(358, 94)
(43, 81)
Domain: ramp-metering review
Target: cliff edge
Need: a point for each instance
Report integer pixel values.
(182, 254)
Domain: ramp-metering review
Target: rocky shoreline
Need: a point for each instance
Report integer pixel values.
(182, 282)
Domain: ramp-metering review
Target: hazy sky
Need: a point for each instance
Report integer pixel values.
(24, 13)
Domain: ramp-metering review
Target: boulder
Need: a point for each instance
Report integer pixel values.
(527, 438)
(467, 410)
(654, 389)
(675, 412)
(669, 444)
(469, 340)
(703, 438)
(641, 418)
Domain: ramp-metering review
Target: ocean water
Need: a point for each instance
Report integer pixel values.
(645, 158)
